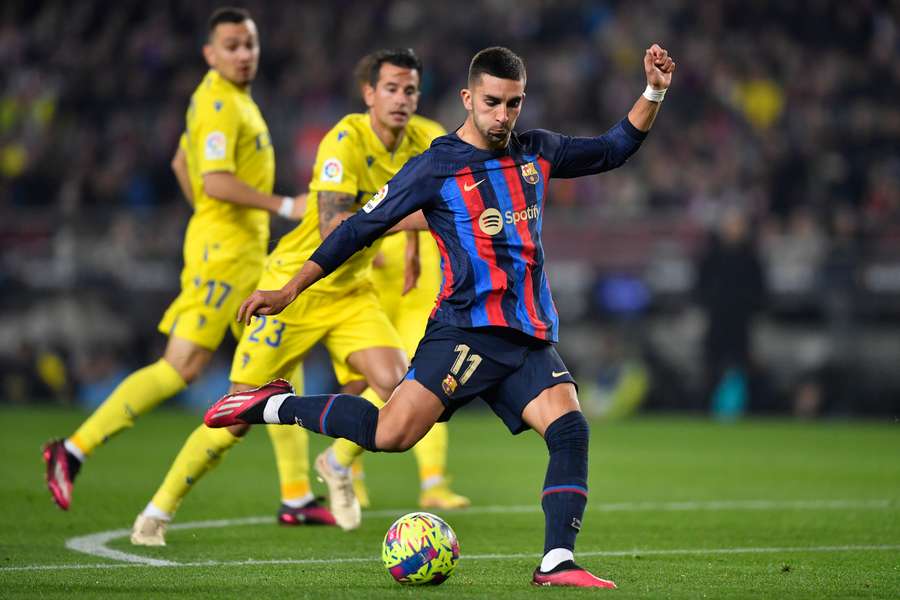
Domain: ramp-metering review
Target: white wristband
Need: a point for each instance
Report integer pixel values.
(653, 95)
(287, 207)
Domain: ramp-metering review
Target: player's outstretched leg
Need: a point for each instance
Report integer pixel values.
(563, 500)
(408, 415)
(275, 403)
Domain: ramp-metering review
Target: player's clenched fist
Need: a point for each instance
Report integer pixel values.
(659, 67)
(262, 302)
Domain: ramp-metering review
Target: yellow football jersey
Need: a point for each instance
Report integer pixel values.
(352, 160)
(389, 277)
(226, 132)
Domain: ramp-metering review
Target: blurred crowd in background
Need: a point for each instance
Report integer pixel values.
(746, 259)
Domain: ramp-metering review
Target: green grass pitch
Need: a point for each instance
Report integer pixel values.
(678, 508)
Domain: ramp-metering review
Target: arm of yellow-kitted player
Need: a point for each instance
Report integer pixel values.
(334, 207)
(180, 168)
(225, 186)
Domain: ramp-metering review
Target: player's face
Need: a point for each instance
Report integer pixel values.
(233, 51)
(395, 97)
(495, 104)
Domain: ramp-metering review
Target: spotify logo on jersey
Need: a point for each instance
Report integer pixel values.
(491, 221)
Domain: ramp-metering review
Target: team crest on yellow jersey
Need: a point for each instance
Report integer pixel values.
(529, 172)
(449, 384)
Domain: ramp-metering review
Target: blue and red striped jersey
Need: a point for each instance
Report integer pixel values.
(485, 210)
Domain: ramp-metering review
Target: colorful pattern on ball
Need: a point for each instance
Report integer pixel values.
(420, 548)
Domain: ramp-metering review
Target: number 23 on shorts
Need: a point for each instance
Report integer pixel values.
(270, 337)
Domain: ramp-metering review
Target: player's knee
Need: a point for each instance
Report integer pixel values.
(567, 432)
(188, 362)
(407, 441)
(394, 439)
(389, 440)
(189, 373)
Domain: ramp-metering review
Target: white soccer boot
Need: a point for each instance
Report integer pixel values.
(149, 531)
(341, 497)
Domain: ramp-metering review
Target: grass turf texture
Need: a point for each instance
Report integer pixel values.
(638, 468)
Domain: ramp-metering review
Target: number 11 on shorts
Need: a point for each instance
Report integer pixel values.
(463, 357)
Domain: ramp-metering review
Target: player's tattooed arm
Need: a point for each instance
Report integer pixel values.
(334, 207)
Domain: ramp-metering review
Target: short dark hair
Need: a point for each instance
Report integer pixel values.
(497, 61)
(369, 66)
(226, 14)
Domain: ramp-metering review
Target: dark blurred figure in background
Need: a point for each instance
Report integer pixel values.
(731, 290)
(840, 285)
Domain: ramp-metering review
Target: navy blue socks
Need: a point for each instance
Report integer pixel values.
(565, 486)
(336, 415)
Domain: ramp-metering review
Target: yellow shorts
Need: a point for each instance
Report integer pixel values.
(273, 346)
(408, 314)
(211, 293)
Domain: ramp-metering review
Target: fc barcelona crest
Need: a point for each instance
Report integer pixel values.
(530, 173)
(449, 384)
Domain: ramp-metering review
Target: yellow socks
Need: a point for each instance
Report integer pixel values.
(138, 393)
(292, 458)
(431, 455)
(202, 450)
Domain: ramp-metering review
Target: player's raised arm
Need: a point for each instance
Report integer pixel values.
(579, 156)
(408, 192)
(658, 66)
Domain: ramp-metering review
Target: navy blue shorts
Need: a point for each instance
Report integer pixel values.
(504, 367)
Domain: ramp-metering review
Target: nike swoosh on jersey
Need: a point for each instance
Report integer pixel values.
(558, 373)
(469, 188)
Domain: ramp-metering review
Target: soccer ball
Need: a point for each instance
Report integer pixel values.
(420, 548)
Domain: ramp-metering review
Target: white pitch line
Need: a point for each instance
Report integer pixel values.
(95, 544)
(472, 557)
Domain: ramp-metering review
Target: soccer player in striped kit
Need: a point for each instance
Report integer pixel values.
(491, 335)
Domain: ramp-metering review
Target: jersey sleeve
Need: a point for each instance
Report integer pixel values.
(411, 189)
(335, 168)
(579, 156)
(217, 125)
